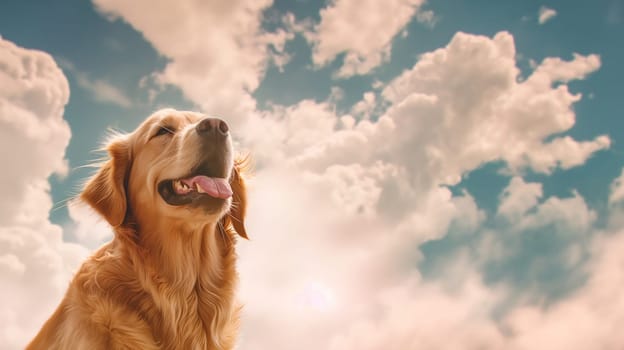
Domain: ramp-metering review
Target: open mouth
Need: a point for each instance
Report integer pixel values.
(199, 189)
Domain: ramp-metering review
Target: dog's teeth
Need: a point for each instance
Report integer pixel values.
(180, 187)
(199, 189)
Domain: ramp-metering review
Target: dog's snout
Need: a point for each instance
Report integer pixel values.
(212, 126)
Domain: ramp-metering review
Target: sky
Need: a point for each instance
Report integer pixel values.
(427, 174)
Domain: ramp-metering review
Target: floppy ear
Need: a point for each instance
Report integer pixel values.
(239, 199)
(106, 190)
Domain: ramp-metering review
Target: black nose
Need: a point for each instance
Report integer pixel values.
(212, 125)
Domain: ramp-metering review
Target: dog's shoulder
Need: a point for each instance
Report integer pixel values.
(107, 296)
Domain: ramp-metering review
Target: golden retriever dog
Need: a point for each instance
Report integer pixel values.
(175, 198)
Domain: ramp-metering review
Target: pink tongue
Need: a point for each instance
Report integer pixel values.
(213, 186)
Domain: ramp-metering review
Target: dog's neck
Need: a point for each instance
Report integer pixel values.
(184, 254)
(189, 263)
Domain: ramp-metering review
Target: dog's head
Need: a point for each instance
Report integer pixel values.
(177, 167)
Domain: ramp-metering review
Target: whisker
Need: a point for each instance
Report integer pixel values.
(61, 204)
(96, 163)
(222, 231)
(235, 218)
(234, 205)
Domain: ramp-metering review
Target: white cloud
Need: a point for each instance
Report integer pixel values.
(101, 90)
(37, 266)
(346, 211)
(545, 14)
(590, 318)
(323, 256)
(354, 188)
(87, 227)
(565, 152)
(217, 54)
(462, 106)
(617, 189)
(519, 197)
(35, 263)
(569, 214)
(33, 92)
(336, 94)
(427, 17)
(276, 42)
(417, 314)
(425, 316)
(294, 129)
(554, 69)
(541, 246)
(296, 26)
(363, 30)
(365, 107)
(420, 314)
(345, 282)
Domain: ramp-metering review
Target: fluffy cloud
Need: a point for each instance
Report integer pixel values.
(465, 105)
(407, 312)
(416, 315)
(347, 210)
(366, 107)
(519, 197)
(322, 258)
(35, 269)
(537, 246)
(617, 189)
(101, 90)
(571, 214)
(345, 282)
(35, 263)
(591, 318)
(86, 227)
(363, 30)
(545, 14)
(470, 96)
(568, 214)
(33, 91)
(217, 54)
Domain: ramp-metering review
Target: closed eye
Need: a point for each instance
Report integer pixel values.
(163, 130)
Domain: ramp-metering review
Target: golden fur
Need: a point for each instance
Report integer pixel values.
(167, 279)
